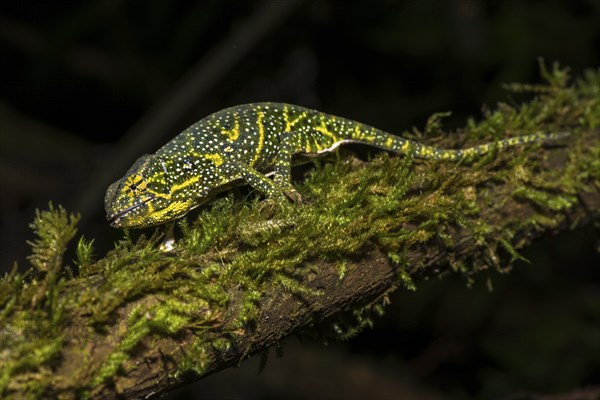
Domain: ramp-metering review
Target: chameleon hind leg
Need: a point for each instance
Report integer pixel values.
(282, 171)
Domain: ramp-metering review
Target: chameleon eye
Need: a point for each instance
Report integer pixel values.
(135, 184)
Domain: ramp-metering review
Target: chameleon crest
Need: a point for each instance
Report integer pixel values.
(244, 142)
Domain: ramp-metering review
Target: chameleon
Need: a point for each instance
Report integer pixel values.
(254, 143)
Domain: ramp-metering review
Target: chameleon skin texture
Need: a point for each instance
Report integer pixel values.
(244, 142)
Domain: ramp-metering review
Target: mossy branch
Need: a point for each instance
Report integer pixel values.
(245, 275)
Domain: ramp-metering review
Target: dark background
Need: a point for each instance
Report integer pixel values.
(88, 86)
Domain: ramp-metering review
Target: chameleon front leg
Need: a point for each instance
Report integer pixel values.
(257, 180)
(168, 243)
(280, 185)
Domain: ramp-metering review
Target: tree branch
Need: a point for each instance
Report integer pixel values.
(139, 322)
(368, 279)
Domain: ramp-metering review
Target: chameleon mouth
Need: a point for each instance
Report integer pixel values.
(115, 219)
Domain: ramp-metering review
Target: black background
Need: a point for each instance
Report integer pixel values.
(88, 86)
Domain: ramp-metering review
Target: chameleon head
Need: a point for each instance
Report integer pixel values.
(138, 199)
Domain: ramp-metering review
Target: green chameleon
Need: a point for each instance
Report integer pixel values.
(244, 142)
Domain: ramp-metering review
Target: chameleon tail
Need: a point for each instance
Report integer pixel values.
(381, 139)
(510, 142)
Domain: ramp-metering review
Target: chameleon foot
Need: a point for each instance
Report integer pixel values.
(294, 196)
(168, 244)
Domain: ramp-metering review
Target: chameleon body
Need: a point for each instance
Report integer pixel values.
(244, 142)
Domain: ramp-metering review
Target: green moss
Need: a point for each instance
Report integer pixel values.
(54, 229)
(85, 252)
(348, 324)
(254, 247)
(137, 330)
(342, 270)
(403, 275)
(545, 199)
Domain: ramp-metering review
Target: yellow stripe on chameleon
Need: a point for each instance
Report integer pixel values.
(137, 181)
(184, 184)
(158, 194)
(290, 124)
(369, 139)
(309, 148)
(261, 137)
(323, 129)
(426, 151)
(233, 133)
(176, 206)
(363, 135)
(215, 158)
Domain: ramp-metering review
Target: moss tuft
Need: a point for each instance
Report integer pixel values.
(54, 229)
